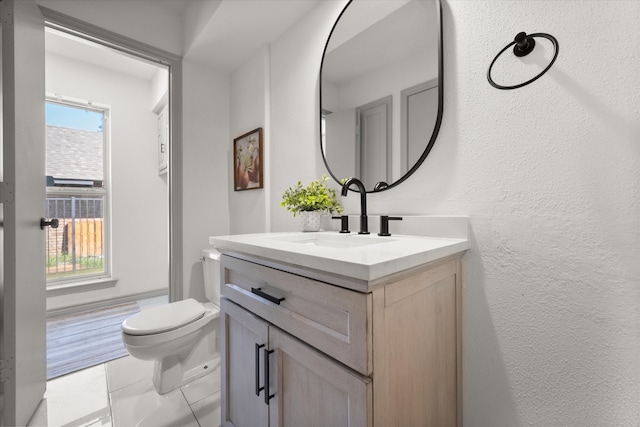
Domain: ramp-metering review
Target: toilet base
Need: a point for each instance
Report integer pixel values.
(174, 371)
(181, 355)
(168, 374)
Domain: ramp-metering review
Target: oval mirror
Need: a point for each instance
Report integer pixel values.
(381, 90)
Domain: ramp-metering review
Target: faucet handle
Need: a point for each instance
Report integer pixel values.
(344, 224)
(384, 224)
(380, 186)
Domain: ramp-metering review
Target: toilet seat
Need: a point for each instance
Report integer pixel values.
(164, 318)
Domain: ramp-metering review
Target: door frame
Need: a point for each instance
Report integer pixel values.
(150, 53)
(405, 94)
(361, 147)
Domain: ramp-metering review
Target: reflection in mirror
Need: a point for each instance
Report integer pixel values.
(380, 90)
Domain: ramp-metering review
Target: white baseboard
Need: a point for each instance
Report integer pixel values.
(105, 303)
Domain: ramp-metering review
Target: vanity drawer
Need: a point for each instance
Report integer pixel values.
(334, 320)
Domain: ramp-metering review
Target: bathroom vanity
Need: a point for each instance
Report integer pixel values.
(322, 329)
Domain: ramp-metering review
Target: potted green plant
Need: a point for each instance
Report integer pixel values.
(310, 202)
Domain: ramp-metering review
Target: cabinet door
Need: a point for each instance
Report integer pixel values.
(312, 390)
(244, 339)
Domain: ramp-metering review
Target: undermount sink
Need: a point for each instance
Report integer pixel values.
(337, 241)
(367, 257)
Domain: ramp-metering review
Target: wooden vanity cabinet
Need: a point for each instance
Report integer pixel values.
(306, 388)
(332, 356)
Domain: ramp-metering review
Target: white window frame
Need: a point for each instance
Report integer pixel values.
(96, 279)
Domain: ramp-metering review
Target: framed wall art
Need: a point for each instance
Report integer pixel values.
(247, 158)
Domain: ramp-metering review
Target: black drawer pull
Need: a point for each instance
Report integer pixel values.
(263, 294)
(267, 395)
(257, 371)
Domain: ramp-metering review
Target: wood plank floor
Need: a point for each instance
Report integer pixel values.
(80, 340)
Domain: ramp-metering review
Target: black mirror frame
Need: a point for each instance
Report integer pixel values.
(436, 128)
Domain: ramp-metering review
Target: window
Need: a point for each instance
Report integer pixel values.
(77, 192)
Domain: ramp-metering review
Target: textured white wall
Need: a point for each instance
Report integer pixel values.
(549, 175)
(295, 147)
(205, 156)
(249, 109)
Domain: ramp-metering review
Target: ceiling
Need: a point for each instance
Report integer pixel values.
(236, 31)
(69, 46)
(238, 28)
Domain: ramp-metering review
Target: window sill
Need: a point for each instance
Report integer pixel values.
(81, 286)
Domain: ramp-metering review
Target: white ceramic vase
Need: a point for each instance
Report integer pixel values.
(309, 220)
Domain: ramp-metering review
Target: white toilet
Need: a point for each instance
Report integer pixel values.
(182, 337)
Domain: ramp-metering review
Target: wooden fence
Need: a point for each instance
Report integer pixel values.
(72, 241)
(88, 237)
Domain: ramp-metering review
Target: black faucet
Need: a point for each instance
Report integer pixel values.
(364, 224)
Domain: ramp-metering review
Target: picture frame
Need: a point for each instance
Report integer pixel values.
(248, 171)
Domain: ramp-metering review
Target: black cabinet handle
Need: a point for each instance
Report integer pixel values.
(257, 371)
(267, 396)
(263, 294)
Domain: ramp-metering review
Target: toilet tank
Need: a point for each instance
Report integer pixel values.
(211, 270)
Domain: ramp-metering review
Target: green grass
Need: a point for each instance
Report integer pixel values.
(83, 265)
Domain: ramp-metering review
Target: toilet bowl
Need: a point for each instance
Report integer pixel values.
(182, 336)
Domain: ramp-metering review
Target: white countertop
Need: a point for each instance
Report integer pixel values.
(365, 257)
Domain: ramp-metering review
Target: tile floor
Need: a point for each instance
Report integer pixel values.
(120, 393)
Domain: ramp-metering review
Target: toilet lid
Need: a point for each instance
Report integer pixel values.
(163, 318)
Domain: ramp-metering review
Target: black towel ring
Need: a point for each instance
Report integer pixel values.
(523, 44)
